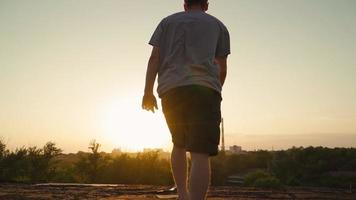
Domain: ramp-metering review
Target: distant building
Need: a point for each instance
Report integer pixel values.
(116, 151)
(152, 150)
(235, 149)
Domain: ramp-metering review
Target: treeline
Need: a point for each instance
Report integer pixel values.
(47, 164)
(311, 166)
(141, 168)
(28, 164)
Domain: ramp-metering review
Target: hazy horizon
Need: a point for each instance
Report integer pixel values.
(73, 71)
(248, 142)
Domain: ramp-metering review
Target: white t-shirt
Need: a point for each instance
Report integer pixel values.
(189, 42)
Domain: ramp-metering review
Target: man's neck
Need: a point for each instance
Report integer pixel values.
(195, 8)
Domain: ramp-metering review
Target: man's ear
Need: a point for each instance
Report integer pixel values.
(205, 6)
(185, 7)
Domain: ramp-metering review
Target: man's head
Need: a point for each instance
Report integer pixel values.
(196, 4)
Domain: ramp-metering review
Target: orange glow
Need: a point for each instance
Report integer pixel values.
(129, 127)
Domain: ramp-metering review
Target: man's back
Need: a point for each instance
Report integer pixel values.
(189, 42)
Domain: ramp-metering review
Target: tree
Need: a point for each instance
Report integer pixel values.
(94, 159)
(3, 151)
(41, 162)
(15, 166)
(89, 165)
(50, 151)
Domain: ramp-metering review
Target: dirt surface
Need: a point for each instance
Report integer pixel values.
(10, 191)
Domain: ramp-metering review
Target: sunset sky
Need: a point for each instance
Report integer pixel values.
(73, 70)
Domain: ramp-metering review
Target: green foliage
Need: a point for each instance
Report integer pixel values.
(65, 174)
(262, 179)
(311, 166)
(268, 182)
(28, 164)
(3, 151)
(219, 170)
(225, 164)
(144, 168)
(89, 165)
(252, 177)
(15, 165)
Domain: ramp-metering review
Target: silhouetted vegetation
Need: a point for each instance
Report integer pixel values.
(263, 179)
(311, 166)
(315, 166)
(28, 164)
(89, 165)
(141, 168)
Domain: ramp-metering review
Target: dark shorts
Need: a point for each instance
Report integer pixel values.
(193, 117)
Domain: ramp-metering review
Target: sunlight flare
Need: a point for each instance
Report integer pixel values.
(130, 128)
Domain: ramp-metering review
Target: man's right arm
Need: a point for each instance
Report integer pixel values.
(222, 62)
(149, 100)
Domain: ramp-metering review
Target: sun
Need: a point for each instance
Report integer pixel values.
(130, 128)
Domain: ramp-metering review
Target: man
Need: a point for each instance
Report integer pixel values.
(189, 55)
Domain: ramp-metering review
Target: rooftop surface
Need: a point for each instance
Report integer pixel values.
(14, 191)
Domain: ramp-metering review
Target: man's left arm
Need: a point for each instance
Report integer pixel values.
(149, 101)
(222, 51)
(222, 62)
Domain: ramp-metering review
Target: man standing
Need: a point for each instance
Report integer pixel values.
(189, 55)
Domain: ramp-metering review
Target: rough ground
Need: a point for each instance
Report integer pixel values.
(10, 191)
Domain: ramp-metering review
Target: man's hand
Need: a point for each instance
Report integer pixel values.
(149, 102)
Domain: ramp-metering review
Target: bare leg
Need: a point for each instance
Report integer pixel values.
(199, 176)
(179, 169)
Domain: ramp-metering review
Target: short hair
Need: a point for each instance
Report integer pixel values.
(194, 2)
